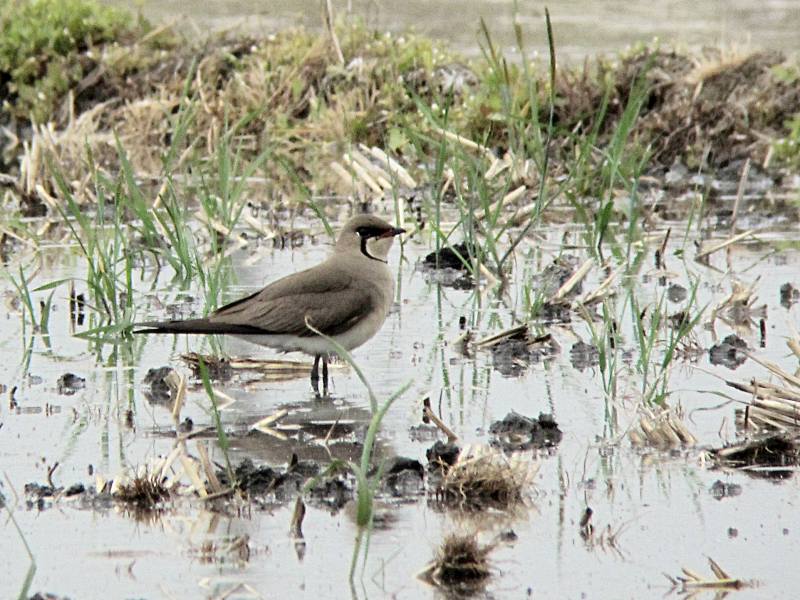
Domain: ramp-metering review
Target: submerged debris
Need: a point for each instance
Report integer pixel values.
(223, 369)
(663, 429)
(69, 383)
(556, 311)
(251, 480)
(403, 476)
(332, 492)
(514, 350)
(774, 405)
(771, 456)
(676, 293)
(219, 369)
(461, 564)
(145, 491)
(558, 273)
(159, 390)
(517, 432)
(720, 490)
(789, 295)
(730, 352)
(690, 582)
(583, 356)
(228, 549)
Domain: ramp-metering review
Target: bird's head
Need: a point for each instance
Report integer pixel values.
(369, 235)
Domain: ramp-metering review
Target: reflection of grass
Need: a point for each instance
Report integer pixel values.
(461, 564)
(366, 484)
(222, 437)
(29, 574)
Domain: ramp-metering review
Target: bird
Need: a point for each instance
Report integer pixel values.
(347, 298)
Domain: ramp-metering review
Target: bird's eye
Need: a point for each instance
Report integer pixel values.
(367, 232)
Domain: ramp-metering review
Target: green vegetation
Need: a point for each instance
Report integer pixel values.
(48, 47)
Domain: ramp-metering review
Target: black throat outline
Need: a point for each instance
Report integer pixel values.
(366, 253)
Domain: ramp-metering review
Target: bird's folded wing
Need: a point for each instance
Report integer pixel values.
(330, 309)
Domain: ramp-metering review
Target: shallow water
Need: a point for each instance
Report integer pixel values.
(581, 28)
(657, 504)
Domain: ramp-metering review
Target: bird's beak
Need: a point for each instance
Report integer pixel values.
(392, 232)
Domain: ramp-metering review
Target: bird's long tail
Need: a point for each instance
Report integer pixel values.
(196, 326)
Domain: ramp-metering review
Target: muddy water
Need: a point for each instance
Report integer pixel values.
(658, 505)
(582, 28)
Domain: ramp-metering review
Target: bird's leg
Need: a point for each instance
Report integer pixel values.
(315, 375)
(324, 374)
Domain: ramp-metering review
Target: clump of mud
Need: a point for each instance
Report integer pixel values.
(442, 456)
(789, 295)
(69, 383)
(584, 356)
(252, 480)
(158, 390)
(517, 432)
(450, 265)
(556, 274)
(403, 477)
(676, 293)
(720, 489)
(514, 353)
(731, 352)
(450, 257)
(263, 483)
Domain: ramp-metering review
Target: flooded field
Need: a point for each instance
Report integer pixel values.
(653, 511)
(585, 387)
(585, 29)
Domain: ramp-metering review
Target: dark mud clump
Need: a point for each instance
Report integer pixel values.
(403, 477)
(720, 490)
(556, 274)
(584, 356)
(513, 355)
(556, 312)
(69, 383)
(450, 257)
(159, 391)
(74, 490)
(331, 493)
(789, 295)
(442, 455)
(252, 480)
(261, 483)
(450, 266)
(676, 293)
(730, 352)
(37, 494)
(768, 457)
(679, 319)
(517, 432)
